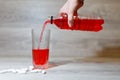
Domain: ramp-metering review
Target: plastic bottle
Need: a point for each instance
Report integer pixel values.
(83, 24)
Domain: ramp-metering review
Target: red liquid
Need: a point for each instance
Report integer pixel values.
(80, 24)
(42, 32)
(40, 56)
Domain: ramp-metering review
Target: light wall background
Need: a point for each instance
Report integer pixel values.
(17, 17)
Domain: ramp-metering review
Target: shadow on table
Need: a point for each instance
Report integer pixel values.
(58, 63)
(107, 54)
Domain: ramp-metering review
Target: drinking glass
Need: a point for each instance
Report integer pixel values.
(40, 48)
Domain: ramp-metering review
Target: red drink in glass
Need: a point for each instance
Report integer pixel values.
(40, 48)
(40, 58)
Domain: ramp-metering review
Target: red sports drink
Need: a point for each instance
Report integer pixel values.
(40, 57)
(84, 24)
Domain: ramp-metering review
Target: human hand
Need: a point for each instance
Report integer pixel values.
(70, 9)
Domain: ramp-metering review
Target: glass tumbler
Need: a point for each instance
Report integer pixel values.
(40, 48)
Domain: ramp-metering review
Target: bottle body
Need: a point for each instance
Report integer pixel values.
(83, 24)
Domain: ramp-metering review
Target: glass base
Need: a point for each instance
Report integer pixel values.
(42, 67)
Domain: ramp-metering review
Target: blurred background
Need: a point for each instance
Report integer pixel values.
(17, 17)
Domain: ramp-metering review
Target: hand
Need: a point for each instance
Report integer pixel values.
(70, 9)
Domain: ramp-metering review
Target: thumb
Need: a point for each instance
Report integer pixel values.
(70, 20)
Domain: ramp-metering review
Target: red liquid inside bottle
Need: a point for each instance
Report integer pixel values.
(83, 24)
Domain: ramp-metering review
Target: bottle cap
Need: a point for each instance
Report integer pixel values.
(51, 19)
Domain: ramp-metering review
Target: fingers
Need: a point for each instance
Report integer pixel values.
(70, 20)
(71, 17)
(63, 14)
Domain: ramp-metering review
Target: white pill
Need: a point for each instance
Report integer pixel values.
(12, 70)
(3, 71)
(19, 71)
(44, 72)
(36, 70)
(30, 67)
